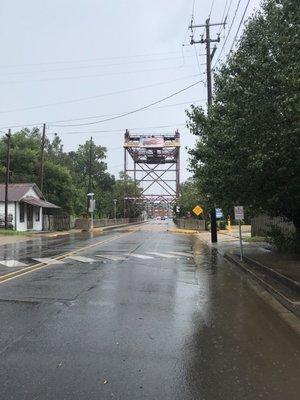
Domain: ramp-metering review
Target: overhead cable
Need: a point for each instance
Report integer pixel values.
(239, 27)
(111, 115)
(53, 123)
(136, 110)
(78, 100)
(228, 33)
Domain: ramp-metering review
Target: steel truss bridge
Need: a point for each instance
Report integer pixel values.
(152, 162)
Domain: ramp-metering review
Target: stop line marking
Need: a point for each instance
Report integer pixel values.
(161, 254)
(48, 261)
(179, 253)
(12, 263)
(150, 255)
(81, 259)
(111, 257)
(142, 256)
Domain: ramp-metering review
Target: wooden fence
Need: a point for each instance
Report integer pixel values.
(261, 224)
(190, 223)
(59, 222)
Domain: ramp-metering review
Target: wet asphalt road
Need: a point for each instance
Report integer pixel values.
(136, 325)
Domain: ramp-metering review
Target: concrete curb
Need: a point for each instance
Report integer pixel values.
(274, 274)
(183, 231)
(291, 306)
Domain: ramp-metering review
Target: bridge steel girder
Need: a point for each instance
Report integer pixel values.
(157, 159)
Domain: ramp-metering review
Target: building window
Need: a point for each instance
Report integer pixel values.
(22, 212)
(37, 213)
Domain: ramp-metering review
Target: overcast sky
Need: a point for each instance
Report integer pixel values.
(71, 59)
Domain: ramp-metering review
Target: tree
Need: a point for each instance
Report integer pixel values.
(58, 186)
(25, 158)
(25, 152)
(248, 146)
(88, 161)
(133, 209)
(190, 197)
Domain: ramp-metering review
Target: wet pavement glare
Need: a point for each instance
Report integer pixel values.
(162, 327)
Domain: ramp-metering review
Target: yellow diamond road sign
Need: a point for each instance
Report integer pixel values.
(198, 210)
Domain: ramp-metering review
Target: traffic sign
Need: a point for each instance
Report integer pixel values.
(239, 213)
(219, 213)
(92, 205)
(198, 210)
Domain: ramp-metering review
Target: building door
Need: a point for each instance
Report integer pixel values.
(29, 216)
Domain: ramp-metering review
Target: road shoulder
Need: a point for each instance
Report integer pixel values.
(278, 290)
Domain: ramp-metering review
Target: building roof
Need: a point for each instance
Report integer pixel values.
(18, 190)
(38, 202)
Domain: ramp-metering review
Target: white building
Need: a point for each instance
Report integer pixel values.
(25, 206)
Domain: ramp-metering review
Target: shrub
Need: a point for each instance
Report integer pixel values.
(285, 243)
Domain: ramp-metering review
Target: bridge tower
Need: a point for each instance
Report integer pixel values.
(153, 164)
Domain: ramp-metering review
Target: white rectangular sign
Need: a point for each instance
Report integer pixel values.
(239, 213)
(152, 142)
(92, 205)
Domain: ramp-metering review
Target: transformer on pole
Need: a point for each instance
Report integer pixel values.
(153, 164)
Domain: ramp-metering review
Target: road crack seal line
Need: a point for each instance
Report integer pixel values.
(35, 267)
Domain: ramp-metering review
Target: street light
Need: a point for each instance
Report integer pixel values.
(115, 209)
(91, 202)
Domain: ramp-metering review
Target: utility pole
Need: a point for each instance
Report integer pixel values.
(8, 135)
(209, 56)
(90, 172)
(42, 159)
(115, 209)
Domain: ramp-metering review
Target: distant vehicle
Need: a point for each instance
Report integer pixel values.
(163, 218)
(158, 218)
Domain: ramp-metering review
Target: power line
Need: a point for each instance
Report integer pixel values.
(211, 8)
(96, 96)
(136, 110)
(121, 130)
(239, 27)
(228, 33)
(108, 119)
(96, 75)
(225, 14)
(88, 60)
(92, 66)
(111, 115)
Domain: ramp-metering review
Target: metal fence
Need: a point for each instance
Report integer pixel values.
(190, 223)
(261, 224)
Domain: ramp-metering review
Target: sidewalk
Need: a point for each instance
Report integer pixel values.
(13, 239)
(277, 273)
(27, 236)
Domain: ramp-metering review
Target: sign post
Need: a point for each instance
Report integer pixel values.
(91, 208)
(239, 215)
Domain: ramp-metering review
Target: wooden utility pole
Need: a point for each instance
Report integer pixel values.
(209, 57)
(90, 173)
(8, 135)
(42, 159)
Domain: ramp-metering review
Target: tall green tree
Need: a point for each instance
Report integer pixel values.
(248, 145)
(88, 165)
(190, 197)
